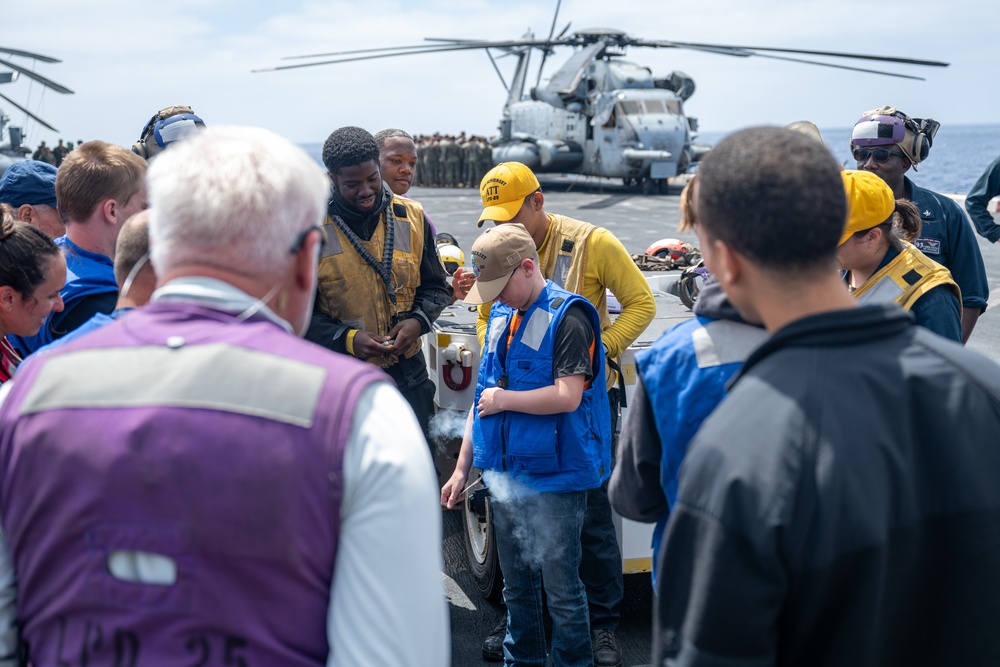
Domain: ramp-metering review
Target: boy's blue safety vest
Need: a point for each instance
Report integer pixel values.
(569, 451)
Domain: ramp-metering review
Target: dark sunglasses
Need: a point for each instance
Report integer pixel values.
(880, 154)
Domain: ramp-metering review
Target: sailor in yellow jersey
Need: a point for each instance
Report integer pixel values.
(880, 267)
(587, 260)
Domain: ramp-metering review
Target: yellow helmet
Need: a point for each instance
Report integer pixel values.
(451, 256)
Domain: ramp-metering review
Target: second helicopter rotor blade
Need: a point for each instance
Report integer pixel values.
(809, 52)
(29, 54)
(31, 115)
(421, 50)
(836, 66)
(356, 51)
(48, 83)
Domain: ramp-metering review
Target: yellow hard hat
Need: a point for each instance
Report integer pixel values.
(451, 256)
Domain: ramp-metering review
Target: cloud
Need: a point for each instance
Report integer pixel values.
(126, 60)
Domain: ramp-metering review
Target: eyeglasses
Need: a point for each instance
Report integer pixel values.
(300, 239)
(880, 154)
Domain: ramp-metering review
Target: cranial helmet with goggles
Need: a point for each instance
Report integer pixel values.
(165, 127)
(888, 126)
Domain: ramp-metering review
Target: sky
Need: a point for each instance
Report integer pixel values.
(126, 59)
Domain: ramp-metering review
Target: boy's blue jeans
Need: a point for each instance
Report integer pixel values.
(538, 541)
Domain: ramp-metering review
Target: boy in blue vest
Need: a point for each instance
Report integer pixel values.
(541, 432)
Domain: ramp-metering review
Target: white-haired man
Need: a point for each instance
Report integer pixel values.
(218, 490)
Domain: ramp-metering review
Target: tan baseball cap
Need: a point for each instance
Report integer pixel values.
(496, 254)
(503, 190)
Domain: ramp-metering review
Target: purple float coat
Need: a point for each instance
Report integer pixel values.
(184, 434)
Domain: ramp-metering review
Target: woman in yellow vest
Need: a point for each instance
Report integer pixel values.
(880, 265)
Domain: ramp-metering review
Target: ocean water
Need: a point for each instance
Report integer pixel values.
(959, 155)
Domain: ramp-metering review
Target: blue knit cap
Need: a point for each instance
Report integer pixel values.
(29, 182)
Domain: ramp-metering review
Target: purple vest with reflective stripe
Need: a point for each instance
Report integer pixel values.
(177, 432)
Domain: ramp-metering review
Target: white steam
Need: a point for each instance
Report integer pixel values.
(445, 427)
(538, 534)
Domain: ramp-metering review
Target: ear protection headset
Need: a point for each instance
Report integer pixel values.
(920, 136)
(155, 130)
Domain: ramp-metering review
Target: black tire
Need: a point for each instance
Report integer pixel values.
(684, 162)
(687, 288)
(480, 546)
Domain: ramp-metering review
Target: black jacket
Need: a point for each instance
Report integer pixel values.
(842, 505)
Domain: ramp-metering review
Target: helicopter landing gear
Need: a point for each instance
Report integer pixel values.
(653, 186)
(685, 162)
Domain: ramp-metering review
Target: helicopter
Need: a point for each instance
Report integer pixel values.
(13, 149)
(599, 114)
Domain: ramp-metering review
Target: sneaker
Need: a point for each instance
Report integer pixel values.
(493, 644)
(606, 651)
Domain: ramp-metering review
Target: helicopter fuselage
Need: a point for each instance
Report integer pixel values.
(635, 130)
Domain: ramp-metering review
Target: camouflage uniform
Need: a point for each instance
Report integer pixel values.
(451, 156)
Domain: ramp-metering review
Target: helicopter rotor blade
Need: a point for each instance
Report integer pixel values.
(493, 60)
(375, 50)
(29, 54)
(545, 52)
(705, 48)
(564, 30)
(31, 115)
(745, 52)
(450, 40)
(48, 83)
(836, 66)
(859, 56)
(583, 40)
(752, 50)
(439, 43)
(413, 51)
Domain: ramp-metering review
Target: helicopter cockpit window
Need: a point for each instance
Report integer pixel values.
(656, 106)
(640, 107)
(630, 107)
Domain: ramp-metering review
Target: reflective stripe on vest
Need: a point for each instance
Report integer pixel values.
(225, 500)
(905, 279)
(724, 342)
(561, 452)
(158, 377)
(354, 294)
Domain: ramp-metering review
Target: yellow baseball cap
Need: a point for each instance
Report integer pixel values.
(870, 201)
(496, 254)
(503, 190)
